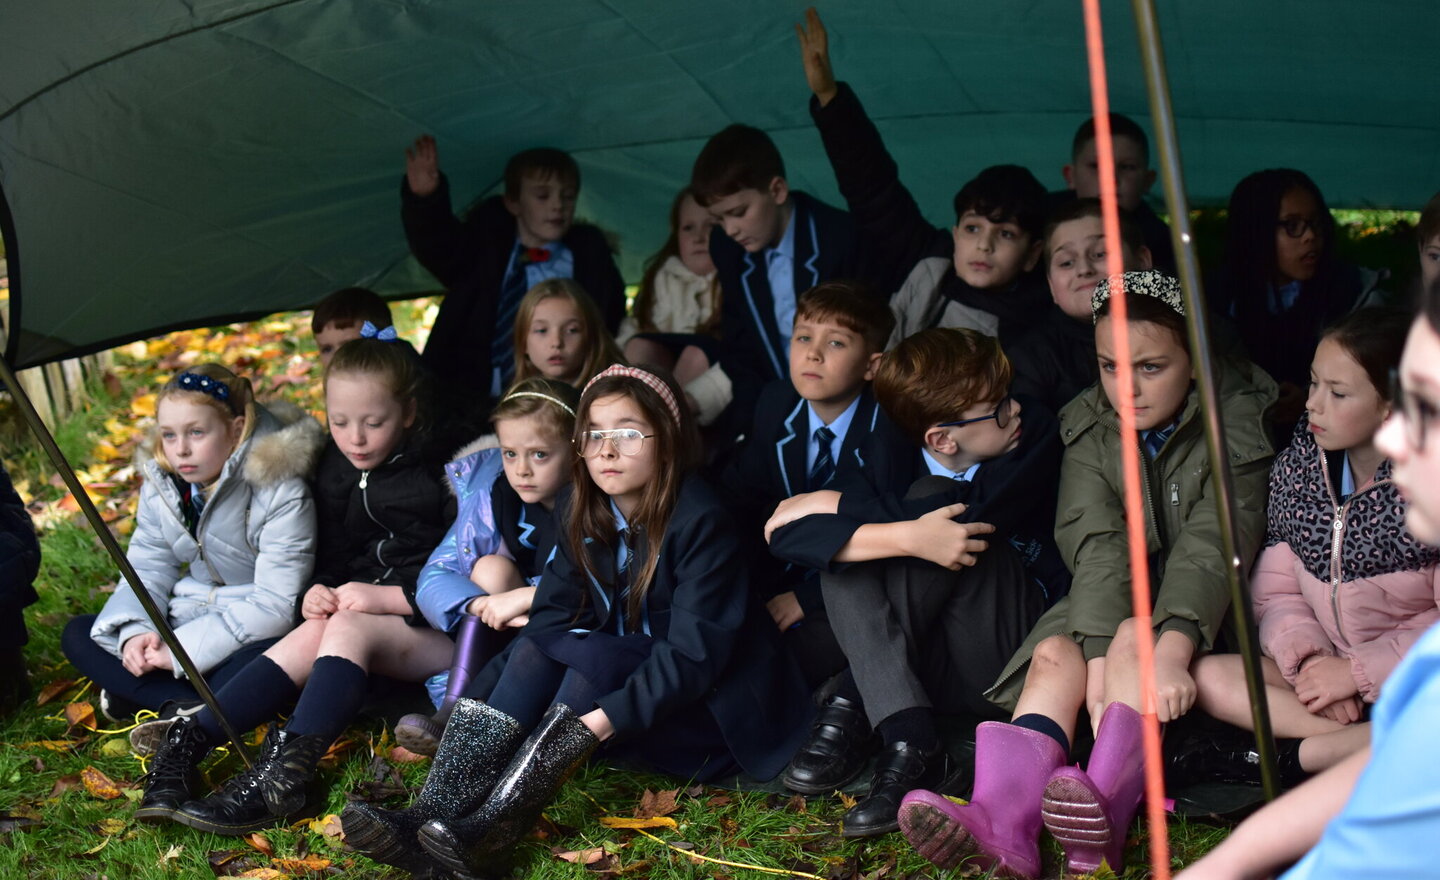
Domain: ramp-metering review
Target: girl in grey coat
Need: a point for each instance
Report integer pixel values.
(224, 542)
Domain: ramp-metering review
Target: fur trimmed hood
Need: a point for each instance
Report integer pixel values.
(286, 444)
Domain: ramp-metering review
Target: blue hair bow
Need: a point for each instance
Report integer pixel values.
(369, 331)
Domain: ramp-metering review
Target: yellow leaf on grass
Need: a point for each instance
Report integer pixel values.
(300, 866)
(653, 822)
(53, 690)
(846, 800)
(328, 827)
(171, 854)
(80, 715)
(110, 826)
(143, 405)
(99, 785)
(115, 747)
(263, 874)
(95, 849)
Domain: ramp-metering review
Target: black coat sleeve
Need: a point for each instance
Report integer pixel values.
(895, 233)
(439, 240)
(19, 549)
(595, 271)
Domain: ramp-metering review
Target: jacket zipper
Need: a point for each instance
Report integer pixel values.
(1337, 538)
(379, 546)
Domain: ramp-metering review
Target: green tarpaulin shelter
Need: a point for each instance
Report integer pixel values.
(171, 164)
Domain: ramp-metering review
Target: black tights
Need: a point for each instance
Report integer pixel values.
(532, 682)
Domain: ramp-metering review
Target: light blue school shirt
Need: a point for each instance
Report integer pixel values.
(780, 268)
(840, 426)
(940, 470)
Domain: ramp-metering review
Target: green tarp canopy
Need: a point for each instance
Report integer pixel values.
(178, 163)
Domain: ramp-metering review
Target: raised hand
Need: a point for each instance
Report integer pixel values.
(422, 166)
(815, 54)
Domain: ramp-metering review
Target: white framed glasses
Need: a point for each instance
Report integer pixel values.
(627, 441)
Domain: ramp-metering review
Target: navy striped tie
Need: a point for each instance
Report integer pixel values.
(502, 349)
(824, 467)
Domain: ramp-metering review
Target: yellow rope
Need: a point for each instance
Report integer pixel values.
(711, 859)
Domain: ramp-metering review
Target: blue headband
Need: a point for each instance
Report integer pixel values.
(205, 385)
(369, 331)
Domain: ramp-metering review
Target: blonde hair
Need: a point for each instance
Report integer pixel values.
(544, 398)
(600, 348)
(239, 401)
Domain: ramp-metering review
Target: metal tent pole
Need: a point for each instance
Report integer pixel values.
(107, 540)
(1222, 482)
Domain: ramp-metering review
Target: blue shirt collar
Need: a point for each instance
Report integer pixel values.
(840, 425)
(940, 470)
(786, 247)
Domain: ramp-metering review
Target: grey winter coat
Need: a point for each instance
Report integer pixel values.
(236, 581)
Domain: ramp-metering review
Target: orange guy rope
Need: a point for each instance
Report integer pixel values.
(1129, 445)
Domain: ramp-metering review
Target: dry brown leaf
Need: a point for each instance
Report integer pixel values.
(99, 785)
(79, 715)
(64, 784)
(580, 857)
(652, 822)
(796, 804)
(170, 854)
(656, 803)
(259, 842)
(717, 800)
(263, 874)
(54, 689)
(846, 800)
(402, 755)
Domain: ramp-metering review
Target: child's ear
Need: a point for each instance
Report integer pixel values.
(779, 190)
(410, 412)
(938, 439)
(1144, 259)
(511, 205)
(872, 365)
(1068, 171)
(237, 429)
(1032, 256)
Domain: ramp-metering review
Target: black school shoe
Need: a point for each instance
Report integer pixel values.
(174, 771)
(280, 785)
(902, 768)
(14, 679)
(835, 751)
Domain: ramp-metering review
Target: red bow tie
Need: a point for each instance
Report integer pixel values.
(534, 255)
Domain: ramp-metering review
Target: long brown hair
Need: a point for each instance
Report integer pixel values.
(600, 347)
(644, 306)
(676, 454)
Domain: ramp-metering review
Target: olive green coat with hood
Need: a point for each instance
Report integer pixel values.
(1187, 563)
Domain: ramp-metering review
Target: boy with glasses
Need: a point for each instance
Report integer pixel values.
(930, 593)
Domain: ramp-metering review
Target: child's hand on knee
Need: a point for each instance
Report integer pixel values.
(371, 598)
(1324, 681)
(319, 603)
(1174, 690)
(499, 612)
(936, 537)
(1346, 711)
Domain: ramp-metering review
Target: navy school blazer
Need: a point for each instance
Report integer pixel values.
(1016, 492)
(770, 466)
(752, 347)
(713, 641)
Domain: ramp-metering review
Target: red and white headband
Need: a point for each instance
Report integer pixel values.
(654, 381)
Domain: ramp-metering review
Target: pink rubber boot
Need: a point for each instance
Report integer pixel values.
(1000, 827)
(1089, 811)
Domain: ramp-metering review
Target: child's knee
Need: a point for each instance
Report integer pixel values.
(1056, 654)
(1126, 643)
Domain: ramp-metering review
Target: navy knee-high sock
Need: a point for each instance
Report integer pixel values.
(331, 699)
(253, 696)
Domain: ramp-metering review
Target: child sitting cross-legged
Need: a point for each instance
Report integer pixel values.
(811, 431)
(380, 510)
(950, 577)
(1084, 652)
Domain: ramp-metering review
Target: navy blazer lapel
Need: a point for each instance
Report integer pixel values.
(760, 302)
(791, 449)
(602, 560)
(805, 266)
(856, 446)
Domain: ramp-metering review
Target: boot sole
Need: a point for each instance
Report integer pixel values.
(827, 788)
(445, 848)
(377, 839)
(155, 815)
(947, 843)
(417, 740)
(1075, 815)
(202, 824)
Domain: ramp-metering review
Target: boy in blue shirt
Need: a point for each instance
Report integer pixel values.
(928, 594)
(769, 245)
(501, 249)
(812, 430)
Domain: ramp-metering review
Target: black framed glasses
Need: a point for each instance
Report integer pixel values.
(1417, 412)
(1296, 227)
(1001, 415)
(627, 441)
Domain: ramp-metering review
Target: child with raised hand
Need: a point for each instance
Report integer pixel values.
(675, 320)
(642, 636)
(1083, 652)
(224, 542)
(503, 247)
(559, 335)
(1281, 282)
(1343, 590)
(983, 277)
(481, 579)
(381, 510)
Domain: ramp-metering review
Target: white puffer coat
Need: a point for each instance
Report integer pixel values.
(235, 581)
